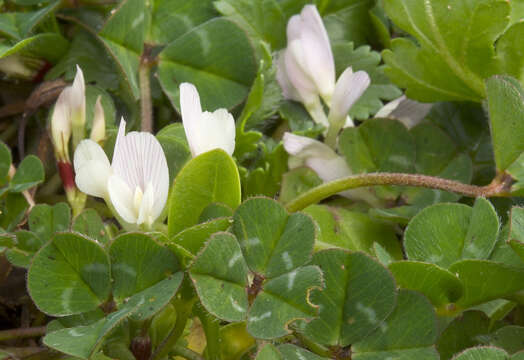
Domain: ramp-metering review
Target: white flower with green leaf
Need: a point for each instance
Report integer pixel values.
(135, 184)
(204, 130)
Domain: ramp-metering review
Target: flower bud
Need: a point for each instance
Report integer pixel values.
(77, 104)
(61, 126)
(98, 129)
(306, 68)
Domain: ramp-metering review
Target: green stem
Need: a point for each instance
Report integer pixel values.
(212, 330)
(316, 348)
(332, 135)
(186, 353)
(183, 311)
(146, 107)
(499, 187)
(22, 333)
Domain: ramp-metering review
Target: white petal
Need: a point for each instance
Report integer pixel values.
(147, 212)
(297, 72)
(139, 160)
(89, 150)
(92, 168)
(191, 114)
(77, 99)
(388, 108)
(120, 139)
(294, 28)
(288, 90)
(317, 155)
(92, 178)
(61, 120)
(317, 51)
(329, 169)
(78, 90)
(216, 131)
(122, 199)
(350, 87)
(305, 148)
(407, 111)
(98, 129)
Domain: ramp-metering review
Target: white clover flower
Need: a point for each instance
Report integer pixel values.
(136, 183)
(205, 131)
(306, 70)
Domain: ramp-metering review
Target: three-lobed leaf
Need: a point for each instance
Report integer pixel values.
(70, 275)
(359, 294)
(273, 241)
(445, 233)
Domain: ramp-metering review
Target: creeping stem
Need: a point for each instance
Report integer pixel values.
(22, 333)
(498, 187)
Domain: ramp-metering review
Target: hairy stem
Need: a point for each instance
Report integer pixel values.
(146, 107)
(498, 187)
(22, 333)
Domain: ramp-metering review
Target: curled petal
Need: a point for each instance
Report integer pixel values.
(297, 72)
(407, 111)
(77, 98)
(61, 122)
(92, 178)
(350, 87)
(78, 89)
(294, 28)
(122, 198)
(89, 150)
(98, 130)
(92, 168)
(288, 90)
